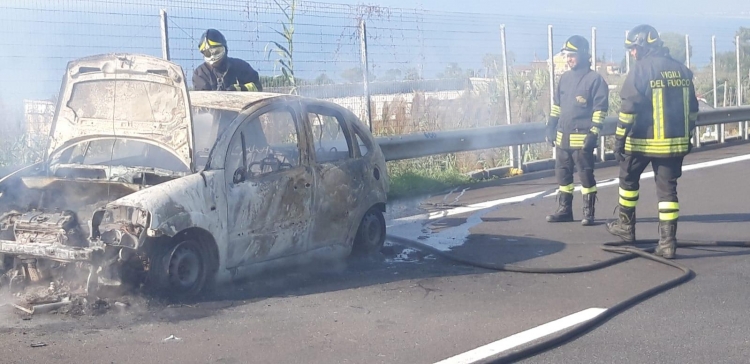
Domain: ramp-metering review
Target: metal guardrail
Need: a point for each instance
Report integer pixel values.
(452, 141)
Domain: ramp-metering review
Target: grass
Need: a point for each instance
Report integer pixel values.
(425, 176)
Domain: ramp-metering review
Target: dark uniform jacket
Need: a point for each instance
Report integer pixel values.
(659, 108)
(233, 75)
(580, 104)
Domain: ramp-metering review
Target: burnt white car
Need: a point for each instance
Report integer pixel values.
(147, 182)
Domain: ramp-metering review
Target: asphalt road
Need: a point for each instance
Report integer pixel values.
(411, 307)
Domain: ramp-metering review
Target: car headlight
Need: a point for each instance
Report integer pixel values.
(124, 225)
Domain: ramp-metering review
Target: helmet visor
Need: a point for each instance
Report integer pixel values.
(213, 54)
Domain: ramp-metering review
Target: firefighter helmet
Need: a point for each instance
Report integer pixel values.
(576, 44)
(644, 36)
(213, 46)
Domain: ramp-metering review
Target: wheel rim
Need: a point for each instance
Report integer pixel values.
(185, 265)
(372, 229)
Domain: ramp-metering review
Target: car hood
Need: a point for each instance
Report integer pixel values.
(125, 95)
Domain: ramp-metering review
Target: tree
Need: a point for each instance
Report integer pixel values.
(676, 44)
(452, 71)
(323, 79)
(493, 63)
(744, 34)
(412, 74)
(353, 75)
(392, 75)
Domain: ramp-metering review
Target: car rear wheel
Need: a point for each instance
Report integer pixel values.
(370, 234)
(178, 269)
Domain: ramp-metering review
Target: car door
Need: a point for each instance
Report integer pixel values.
(337, 172)
(270, 184)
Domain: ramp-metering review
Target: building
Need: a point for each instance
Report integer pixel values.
(38, 116)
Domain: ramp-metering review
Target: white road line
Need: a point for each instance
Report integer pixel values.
(522, 338)
(516, 199)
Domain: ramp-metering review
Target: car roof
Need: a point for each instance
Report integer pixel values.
(233, 101)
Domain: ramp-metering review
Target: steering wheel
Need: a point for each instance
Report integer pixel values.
(270, 161)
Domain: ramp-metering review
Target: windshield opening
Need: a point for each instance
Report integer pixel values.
(120, 152)
(208, 125)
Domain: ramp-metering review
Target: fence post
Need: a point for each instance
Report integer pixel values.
(627, 55)
(697, 132)
(593, 48)
(551, 51)
(365, 70)
(687, 50)
(743, 125)
(601, 150)
(514, 151)
(164, 35)
(719, 127)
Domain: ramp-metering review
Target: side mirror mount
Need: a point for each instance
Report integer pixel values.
(240, 175)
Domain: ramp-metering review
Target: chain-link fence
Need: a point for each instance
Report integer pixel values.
(427, 70)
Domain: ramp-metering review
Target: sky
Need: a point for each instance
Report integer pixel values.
(41, 36)
(552, 7)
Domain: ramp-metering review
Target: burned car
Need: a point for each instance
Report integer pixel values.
(146, 182)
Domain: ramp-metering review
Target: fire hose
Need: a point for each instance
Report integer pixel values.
(626, 251)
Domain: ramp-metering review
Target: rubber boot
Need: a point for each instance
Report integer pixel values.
(589, 202)
(564, 211)
(624, 226)
(667, 239)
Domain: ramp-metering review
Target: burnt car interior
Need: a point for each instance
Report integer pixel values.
(331, 142)
(265, 144)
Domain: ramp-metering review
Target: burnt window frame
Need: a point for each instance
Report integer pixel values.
(344, 123)
(255, 117)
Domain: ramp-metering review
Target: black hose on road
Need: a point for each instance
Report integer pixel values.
(627, 251)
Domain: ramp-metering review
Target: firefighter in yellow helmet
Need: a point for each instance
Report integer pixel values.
(657, 120)
(580, 103)
(220, 72)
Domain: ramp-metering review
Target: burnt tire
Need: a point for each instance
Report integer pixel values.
(370, 233)
(178, 269)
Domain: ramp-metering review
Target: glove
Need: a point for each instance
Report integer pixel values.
(551, 136)
(589, 143)
(620, 149)
(246, 87)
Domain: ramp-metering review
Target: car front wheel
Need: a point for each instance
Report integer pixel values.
(178, 269)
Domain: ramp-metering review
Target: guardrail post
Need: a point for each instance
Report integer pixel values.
(551, 51)
(164, 34)
(365, 71)
(514, 150)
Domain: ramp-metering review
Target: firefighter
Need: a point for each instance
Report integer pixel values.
(220, 72)
(580, 103)
(656, 122)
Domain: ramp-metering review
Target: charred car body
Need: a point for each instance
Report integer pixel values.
(146, 182)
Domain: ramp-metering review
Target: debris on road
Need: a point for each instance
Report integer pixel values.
(172, 338)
